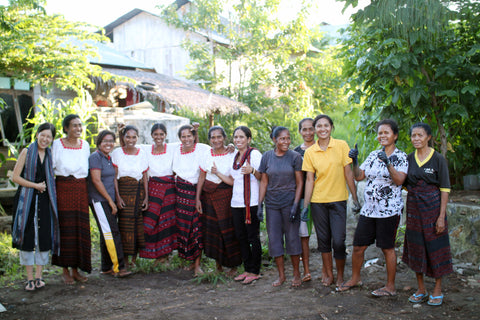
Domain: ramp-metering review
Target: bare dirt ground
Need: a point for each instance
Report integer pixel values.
(173, 295)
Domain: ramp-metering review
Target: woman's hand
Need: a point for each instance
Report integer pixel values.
(41, 187)
(145, 204)
(214, 170)
(120, 203)
(198, 206)
(247, 168)
(113, 207)
(440, 225)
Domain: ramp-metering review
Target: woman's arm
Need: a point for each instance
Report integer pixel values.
(200, 183)
(397, 177)
(96, 176)
(17, 171)
(145, 188)
(347, 171)
(227, 179)
(299, 186)
(308, 189)
(440, 225)
(263, 187)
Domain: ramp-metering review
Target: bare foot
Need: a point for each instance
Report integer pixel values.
(296, 282)
(278, 282)
(232, 272)
(327, 280)
(189, 267)
(67, 279)
(78, 277)
(198, 272)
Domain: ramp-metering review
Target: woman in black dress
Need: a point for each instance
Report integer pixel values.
(35, 225)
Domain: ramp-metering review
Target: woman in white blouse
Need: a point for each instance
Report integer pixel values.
(159, 220)
(70, 165)
(186, 165)
(131, 188)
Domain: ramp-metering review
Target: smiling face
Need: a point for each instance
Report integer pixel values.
(323, 129)
(74, 129)
(385, 135)
(282, 142)
(420, 138)
(217, 141)
(130, 138)
(187, 139)
(158, 137)
(44, 138)
(307, 131)
(240, 140)
(107, 144)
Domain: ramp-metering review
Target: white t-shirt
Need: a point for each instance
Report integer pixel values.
(130, 165)
(160, 164)
(223, 162)
(70, 161)
(383, 198)
(237, 196)
(187, 165)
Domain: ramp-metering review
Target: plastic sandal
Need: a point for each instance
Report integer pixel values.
(418, 298)
(439, 303)
(39, 283)
(30, 286)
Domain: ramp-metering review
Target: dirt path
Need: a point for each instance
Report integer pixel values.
(173, 295)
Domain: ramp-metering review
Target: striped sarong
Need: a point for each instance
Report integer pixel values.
(130, 220)
(159, 221)
(74, 221)
(425, 251)
(189, 238)
(220, 242)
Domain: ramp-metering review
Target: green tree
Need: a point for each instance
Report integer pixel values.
(419, 60)
(45, 49)
(266, 64)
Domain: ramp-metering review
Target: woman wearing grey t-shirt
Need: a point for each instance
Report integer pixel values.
(281, 188)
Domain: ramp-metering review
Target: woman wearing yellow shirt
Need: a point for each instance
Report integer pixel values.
(328, 172)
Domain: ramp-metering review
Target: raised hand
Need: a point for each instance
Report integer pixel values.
(353, 153)
(383, 156)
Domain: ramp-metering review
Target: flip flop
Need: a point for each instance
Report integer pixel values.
(109, 272)
(250, 279)
(30, 286)
(418, 298)
(39, 283)
(439, 303)
(383, 292)
(122, 274)
(307, 277)
(343, 287)
(241, 277)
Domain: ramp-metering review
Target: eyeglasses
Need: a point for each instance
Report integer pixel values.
(108, 141)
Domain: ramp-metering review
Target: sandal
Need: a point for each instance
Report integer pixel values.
(241, 277)
(418, 298)
(109, 273)
(250, 279)
(30, 286)
(439, 303)
(39, 283)
(383, 292)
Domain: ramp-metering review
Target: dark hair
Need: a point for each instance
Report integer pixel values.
(157, 126)
(47, 126)
(322, 116)
(301, 123)
(422, 125)
(391, 123)
(246, 130)
(185, 127)
(67, 120)
(124, 131)
(276, 132)
(216, 128)
(102, 134)
(271, 132)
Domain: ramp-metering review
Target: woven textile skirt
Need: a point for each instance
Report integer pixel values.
(159, 222)
(130, 219)
(190, 243)
(74, 222)
(219, 240)
(424, 250)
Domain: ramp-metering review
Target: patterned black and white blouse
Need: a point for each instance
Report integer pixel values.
(383, 198)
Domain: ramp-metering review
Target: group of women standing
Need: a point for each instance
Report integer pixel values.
(192, 197)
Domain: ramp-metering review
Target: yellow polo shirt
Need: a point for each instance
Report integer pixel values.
(328, 166)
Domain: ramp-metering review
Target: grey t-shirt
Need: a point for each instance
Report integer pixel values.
(98, 161)
(281, 177)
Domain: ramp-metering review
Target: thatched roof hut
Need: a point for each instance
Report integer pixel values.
(169, 94)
